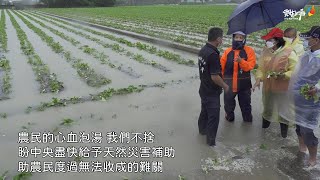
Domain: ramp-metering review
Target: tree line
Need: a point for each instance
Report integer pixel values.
(78, 3)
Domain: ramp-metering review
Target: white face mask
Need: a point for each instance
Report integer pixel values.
(306, 44)
(269, 44)
(221, 43)
(290, 40)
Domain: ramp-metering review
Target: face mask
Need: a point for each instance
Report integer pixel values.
(221, 42)
(237, 44)
(290, 40)
(306, 44)
(269, 44)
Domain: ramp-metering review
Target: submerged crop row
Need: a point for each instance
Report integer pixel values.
(4, 63)
(102, 57)
(48, 81)
(166, 32)
(110, 46)
(141, 46)
(84, 71)
(6, 80)
(102, 96)
(3, 34)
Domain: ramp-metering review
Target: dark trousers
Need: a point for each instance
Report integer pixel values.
(307, 135)
(244, 98)
(208, 121)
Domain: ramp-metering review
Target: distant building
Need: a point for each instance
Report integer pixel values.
(5, 2)
(22, 4)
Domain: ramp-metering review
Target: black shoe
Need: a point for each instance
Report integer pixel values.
(284, 130)
(211, 142)
(265, 123)
(229, 118)
(247, 118)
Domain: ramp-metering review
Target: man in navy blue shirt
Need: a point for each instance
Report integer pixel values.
(211, 85)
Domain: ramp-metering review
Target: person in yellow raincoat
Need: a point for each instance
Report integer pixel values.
(292, 37)
(276, 65)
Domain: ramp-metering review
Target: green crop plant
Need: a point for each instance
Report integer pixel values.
(40, 69)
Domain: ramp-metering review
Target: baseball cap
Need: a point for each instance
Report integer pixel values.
(275, 32)
(314, 32)
(239, 32)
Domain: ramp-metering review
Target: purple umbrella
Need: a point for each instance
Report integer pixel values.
(254, 15)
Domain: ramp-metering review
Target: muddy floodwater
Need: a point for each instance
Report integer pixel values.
(163, 117)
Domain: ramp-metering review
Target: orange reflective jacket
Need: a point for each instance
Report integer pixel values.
(237, 75)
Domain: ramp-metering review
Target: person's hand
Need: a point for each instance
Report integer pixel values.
(226, 88)
(312, 91)
(239, 59)
(257, 84)
(281, 74)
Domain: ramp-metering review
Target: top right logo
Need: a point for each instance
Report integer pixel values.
(311, 11)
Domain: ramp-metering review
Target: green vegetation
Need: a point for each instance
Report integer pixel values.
(5, 66)
(23, 176)
(4, 175)
(78, 3)
(67, 122)
(114, 47)
(263, 147)
(83, 69)
(3, 33)
(102, 96)
(48, 81)
(175, 23)
(3, 115)
(141, 46)
(304, 91)
(159, 16)
(4, 63)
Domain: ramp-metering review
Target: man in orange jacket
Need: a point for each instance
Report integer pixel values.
(236, 64)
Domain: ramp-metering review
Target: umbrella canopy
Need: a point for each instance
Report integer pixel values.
(254, 15)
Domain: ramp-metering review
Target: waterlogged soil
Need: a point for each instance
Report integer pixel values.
(170, 111)
(255, 43)
(131, 64)
(57, 64)
(183, 54)
(148, 73)
(175, 35)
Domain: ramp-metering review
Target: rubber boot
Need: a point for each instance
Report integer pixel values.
(284, 130)
(265, 123)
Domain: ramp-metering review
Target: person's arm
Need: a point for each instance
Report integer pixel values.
(259, 75)
(251, 61)
(223, 61)
(318, 89)
(292, 59)
(299, 50)
(260, 71)
(215, 71)
(219, 81)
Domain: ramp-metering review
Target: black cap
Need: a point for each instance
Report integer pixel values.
(314, 32)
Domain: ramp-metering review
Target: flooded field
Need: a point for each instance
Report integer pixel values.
(68, 78)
